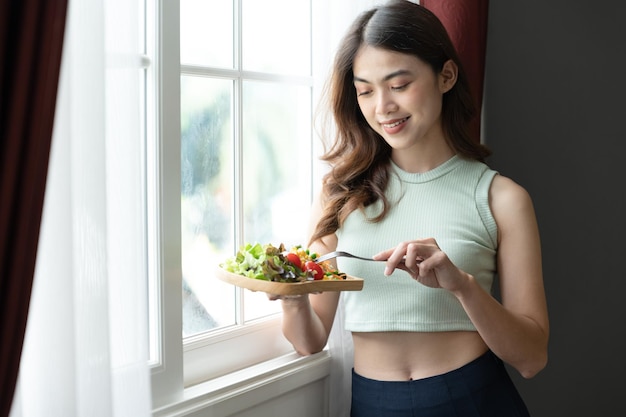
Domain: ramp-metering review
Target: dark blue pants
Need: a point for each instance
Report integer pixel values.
(482, 388)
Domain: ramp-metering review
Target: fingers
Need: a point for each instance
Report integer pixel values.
(414, 256)
(413, 272)
(424, 261)
(274, 297)
(384, 255)
(408, 255)
(291, 297)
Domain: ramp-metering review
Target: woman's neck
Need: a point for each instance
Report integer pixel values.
(422, 158)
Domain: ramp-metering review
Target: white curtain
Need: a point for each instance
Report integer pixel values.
(342, 360)
(86, 345)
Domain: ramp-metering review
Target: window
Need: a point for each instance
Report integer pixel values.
(233, 141)
(245, 146)
(230, 95)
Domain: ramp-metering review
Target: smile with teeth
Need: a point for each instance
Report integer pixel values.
(394, 124)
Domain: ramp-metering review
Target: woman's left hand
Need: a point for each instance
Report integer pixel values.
(425, 262)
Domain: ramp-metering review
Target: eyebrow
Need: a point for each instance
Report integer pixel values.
(386, 78)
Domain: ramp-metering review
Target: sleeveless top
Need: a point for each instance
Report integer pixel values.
(450, 204)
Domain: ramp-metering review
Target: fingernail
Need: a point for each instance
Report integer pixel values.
(387, 271)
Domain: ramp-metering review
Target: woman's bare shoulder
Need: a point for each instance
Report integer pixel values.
(505, 194)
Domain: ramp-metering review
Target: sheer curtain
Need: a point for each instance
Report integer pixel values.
(86, 347)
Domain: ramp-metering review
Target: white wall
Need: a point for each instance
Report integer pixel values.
(300, 387)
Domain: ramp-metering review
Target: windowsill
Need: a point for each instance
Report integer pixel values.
(264, 335)
(297, 369)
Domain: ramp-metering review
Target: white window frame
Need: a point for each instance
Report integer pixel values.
(164, 265)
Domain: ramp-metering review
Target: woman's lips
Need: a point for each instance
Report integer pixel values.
(392, 126)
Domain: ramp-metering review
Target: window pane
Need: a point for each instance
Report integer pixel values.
(206, 33)
(276, 36)
(207, 201)
(276, 170)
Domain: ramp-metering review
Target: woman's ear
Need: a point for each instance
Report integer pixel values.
(448, 76)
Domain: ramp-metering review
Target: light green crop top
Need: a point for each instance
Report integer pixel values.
(450, 204)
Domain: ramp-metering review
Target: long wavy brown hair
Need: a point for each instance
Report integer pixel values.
(359, 158)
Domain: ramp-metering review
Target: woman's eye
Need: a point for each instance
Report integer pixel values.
(363, 93)
(400, 87)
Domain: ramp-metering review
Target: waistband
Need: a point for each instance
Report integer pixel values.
(482, 371)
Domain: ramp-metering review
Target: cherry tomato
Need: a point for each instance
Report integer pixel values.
(316, 270)
(294, 259)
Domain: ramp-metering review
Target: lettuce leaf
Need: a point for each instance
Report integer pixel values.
(265, 262)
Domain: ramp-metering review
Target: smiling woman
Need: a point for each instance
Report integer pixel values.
(408, 185)
(387, 81)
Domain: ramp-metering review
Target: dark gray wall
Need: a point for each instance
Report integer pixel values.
(555, 118)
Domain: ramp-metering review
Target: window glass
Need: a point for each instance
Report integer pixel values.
(245, 146)
(206, 33)
(276, 170)
(276, 36)
(207, 179)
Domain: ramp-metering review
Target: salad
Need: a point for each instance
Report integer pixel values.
(270, 263)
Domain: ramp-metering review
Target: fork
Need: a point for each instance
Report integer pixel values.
(337, 253)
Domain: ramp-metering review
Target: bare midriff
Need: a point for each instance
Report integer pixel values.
(404, 356)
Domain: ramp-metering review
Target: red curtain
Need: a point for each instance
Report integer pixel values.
(31, 41)
(466, 22)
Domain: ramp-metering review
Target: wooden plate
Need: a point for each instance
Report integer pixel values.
(290, 288)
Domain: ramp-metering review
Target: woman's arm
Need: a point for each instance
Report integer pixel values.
(307, 319)
(518, 329)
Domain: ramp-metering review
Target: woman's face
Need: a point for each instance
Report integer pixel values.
(400, 96)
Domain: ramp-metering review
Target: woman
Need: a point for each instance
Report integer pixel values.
(408, 186)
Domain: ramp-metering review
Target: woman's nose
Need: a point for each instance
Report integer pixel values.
(385, 104)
